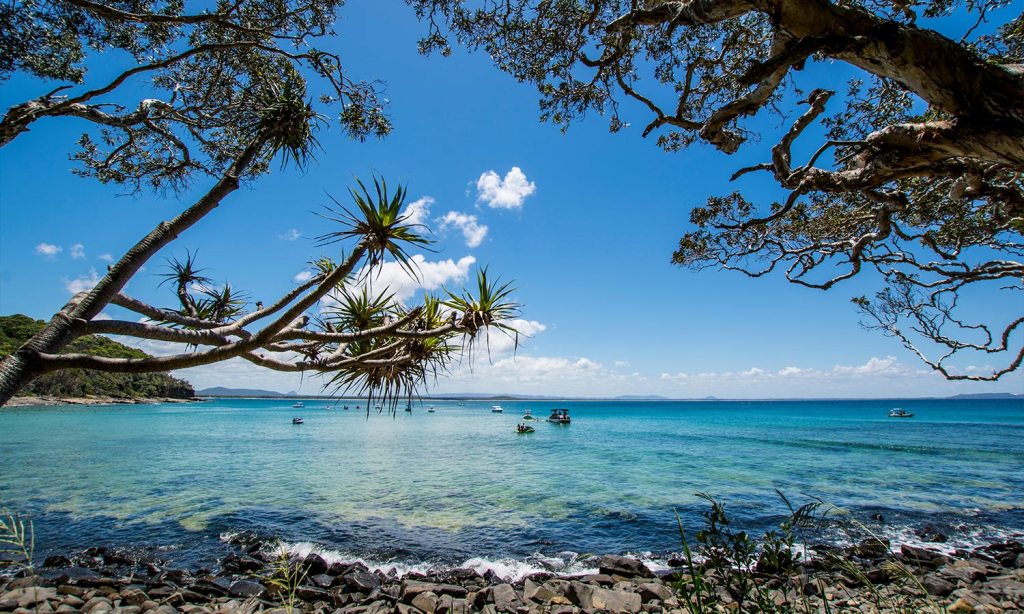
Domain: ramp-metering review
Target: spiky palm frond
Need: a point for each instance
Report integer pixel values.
(490, 307)
(183, 275)
(287, 121)
(223, 304)
(358, 309)
(378, 223)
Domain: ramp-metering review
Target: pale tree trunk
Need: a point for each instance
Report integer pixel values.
(21, 367)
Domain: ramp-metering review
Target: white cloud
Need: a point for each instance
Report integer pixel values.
(472, 230)
(302, 276)
(497, 343)
(507, 193)
(291, 235)
(417, 212)
(48, 250)
(82, 283)
(394, 279)
(106, 257)
(77, 252)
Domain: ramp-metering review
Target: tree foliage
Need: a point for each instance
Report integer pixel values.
(224, 92)
(17, 329)
(918, 173)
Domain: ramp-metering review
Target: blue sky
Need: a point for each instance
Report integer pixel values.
(584, 223)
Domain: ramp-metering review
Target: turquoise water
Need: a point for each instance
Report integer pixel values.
(460, 484)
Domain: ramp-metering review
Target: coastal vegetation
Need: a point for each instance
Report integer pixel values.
(898, 131)
(220, 95)
(16, 329)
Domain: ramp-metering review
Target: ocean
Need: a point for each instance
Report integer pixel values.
(459, 487)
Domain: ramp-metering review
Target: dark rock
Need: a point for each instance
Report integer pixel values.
(322, 580)
(79, 576)
(623, 566)
(361, 581)
(599, 579)
(878, 518)
(922, 557)
(410, 588)
(119, 557)
(653, 591)
(247, 588)
(315, 564)
(930, 533)
(212, 587)
(234, 563)
(310, 594)
(937, 586)
(676, 562)
(338, 569)
(871, 548)
(133, 597)
(57, 561)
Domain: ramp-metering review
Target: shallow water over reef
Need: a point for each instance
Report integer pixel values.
(461, 485)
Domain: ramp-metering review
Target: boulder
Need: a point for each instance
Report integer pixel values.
(426, 601)
(613, 565)
(57, 561)
(322, 580)
(411, 588)
(930, 533)
(937, 586)
(234, 563)
(310, 594)
(504, 597)
(871, 548)
(25, 597)
(247, 588)
(923, 557)
(361, 581)
(315, 564)
(592, 599)
(653, 591)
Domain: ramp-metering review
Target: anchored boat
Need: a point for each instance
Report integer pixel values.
(897, 412)
(559, 416)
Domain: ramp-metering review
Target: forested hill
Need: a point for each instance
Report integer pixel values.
(16, 329)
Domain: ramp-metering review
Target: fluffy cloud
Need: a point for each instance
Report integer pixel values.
(417, 212)
(497, 343)
(78, 251)
(291, 235)
(392, 278)
(507, 193)
(48, 250)
(82, 283)
(302, 276)
(472, 230)
(888, 367)
(106, 257)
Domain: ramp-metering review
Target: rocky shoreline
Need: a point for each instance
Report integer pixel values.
(29, 401)
(863, 578)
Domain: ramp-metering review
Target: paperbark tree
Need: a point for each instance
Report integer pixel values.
(918, 177)
(226, 92)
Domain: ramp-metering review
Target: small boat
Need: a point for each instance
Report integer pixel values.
(897, 412)
(496, 409)
(522, 429)
(345, 408)
(559, 416)
(298, 404)
(528, 416)
(430, 409)
(297, 421)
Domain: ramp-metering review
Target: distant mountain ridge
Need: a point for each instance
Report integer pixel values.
(221, 391)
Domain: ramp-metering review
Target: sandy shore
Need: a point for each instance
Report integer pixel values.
(28, 401)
